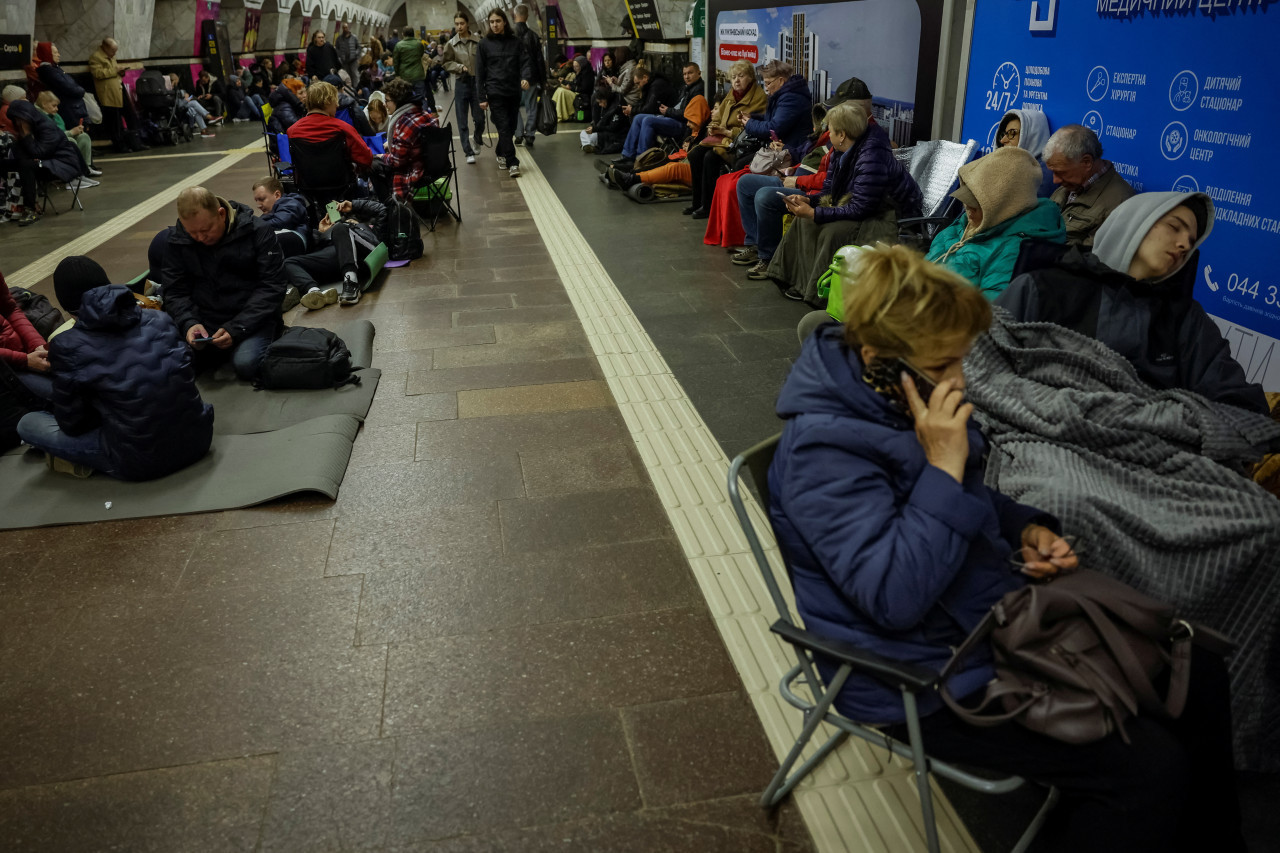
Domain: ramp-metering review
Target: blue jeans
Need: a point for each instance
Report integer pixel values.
(762, 209)
(528, 125)
(645, 130)
(39, 384)
(246, 356)
(41, 431)
(464, 102)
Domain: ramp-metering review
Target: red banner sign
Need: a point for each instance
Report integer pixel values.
(734, 52)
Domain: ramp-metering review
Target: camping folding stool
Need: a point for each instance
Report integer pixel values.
(45, 180)
(910, 679)
(437, 188)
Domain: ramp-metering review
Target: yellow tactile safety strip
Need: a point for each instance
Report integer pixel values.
(858, 799)
(85, 243)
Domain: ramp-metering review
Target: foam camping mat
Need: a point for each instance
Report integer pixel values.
(239, 471)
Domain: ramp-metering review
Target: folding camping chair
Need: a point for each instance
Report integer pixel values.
(436, 192)
(45, 180)
(322, 171)
(911, 679)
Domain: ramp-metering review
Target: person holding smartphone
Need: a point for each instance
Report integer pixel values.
(895, 544)
(348, 233)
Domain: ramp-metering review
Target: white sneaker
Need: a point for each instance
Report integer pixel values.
(502, 162)
(514, 171)
(238, 120)
(94, 172)
(82, 183)
(471, 158)
(315, 298)
(204, 134)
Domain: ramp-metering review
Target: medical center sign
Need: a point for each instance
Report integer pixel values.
(738, 41)
(1181, 93)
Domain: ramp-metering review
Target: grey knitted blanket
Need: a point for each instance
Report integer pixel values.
(1152, 483)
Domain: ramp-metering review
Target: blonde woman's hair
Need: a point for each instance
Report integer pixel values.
(321, 95)
(47, 99)
(743, 68)
(903, 305)
(847, 118)
(641, 70)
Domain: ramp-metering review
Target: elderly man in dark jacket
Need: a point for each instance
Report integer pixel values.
(40, 141)
(349, 50)
(224, 281)
(1134, 293)
(124, 394)
(322, 59)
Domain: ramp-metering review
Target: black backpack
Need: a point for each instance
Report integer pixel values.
(404, 241)
(39, 310)
(306, 358)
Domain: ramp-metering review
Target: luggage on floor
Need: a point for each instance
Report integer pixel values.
(306, 358)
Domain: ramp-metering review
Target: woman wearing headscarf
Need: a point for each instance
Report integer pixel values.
(865, 191)
(1028, 130)
(503, 69)
(54, 79)
(376, 112)
(575, 88)
(709, 159)
(998, 192)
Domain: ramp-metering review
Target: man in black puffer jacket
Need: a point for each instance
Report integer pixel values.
(503, 70)
(223, 281)
(340, 248)
(656, 92)
(124, 394)
(40, 141)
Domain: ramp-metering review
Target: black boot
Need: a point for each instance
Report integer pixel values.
(625, 180)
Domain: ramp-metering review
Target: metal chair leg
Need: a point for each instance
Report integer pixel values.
(780, 785)
(921, 771)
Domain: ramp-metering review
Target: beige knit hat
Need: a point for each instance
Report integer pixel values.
(13, 93)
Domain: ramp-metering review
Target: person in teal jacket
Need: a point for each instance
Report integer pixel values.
(998, 192)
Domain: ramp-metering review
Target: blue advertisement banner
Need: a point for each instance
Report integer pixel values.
(1181, 94)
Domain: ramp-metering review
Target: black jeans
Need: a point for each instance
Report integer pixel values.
(505, 112)
(1172, 788)
(114, 124)
(707, 166)
(350, 244)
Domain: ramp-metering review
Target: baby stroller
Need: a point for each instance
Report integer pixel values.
(164, 120)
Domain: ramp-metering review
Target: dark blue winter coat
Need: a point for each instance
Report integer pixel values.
(861, 180)
(70, 94)
(127, 372)
(286, 108)
(884, 550)
(290, 212)
(47, 143)
(788, 113)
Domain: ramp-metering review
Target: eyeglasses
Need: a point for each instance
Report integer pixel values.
(1011, 133)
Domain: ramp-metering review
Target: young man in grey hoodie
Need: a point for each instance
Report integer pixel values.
(1134, 293)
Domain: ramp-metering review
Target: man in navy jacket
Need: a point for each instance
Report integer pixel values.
(124, 395)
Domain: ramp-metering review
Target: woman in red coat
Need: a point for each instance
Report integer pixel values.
(21, 347)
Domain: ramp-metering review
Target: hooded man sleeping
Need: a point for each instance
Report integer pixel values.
(1134, 294)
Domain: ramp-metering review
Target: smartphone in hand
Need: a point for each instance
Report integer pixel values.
(885, 377)
(332, 210)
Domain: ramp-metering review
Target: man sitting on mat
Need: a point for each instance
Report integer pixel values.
(223, 281)
(124, 393)
(286, 214)
(340, 248)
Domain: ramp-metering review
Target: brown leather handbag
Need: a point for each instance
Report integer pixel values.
(1077, 657)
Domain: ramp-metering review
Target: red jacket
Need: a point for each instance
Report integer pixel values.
(17, 336)
(317, 127)
(813, 181)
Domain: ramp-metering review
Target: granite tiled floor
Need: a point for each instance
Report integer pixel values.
(489, 641)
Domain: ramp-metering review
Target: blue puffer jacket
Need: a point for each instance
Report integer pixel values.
(127, 372)
(884, 550)
(290, 212)
(788, 114)
(285, 109)
(861, 180)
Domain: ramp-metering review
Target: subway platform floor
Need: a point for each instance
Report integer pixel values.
(527, 622)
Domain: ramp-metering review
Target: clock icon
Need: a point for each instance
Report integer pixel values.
(1007, 83)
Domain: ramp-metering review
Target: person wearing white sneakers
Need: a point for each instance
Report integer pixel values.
(340, 247)
(503, 69)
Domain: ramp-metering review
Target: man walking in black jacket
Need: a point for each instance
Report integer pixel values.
(529, 97)
(224, 281)
(503, 69)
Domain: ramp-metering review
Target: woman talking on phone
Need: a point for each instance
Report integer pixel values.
(894, 543)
